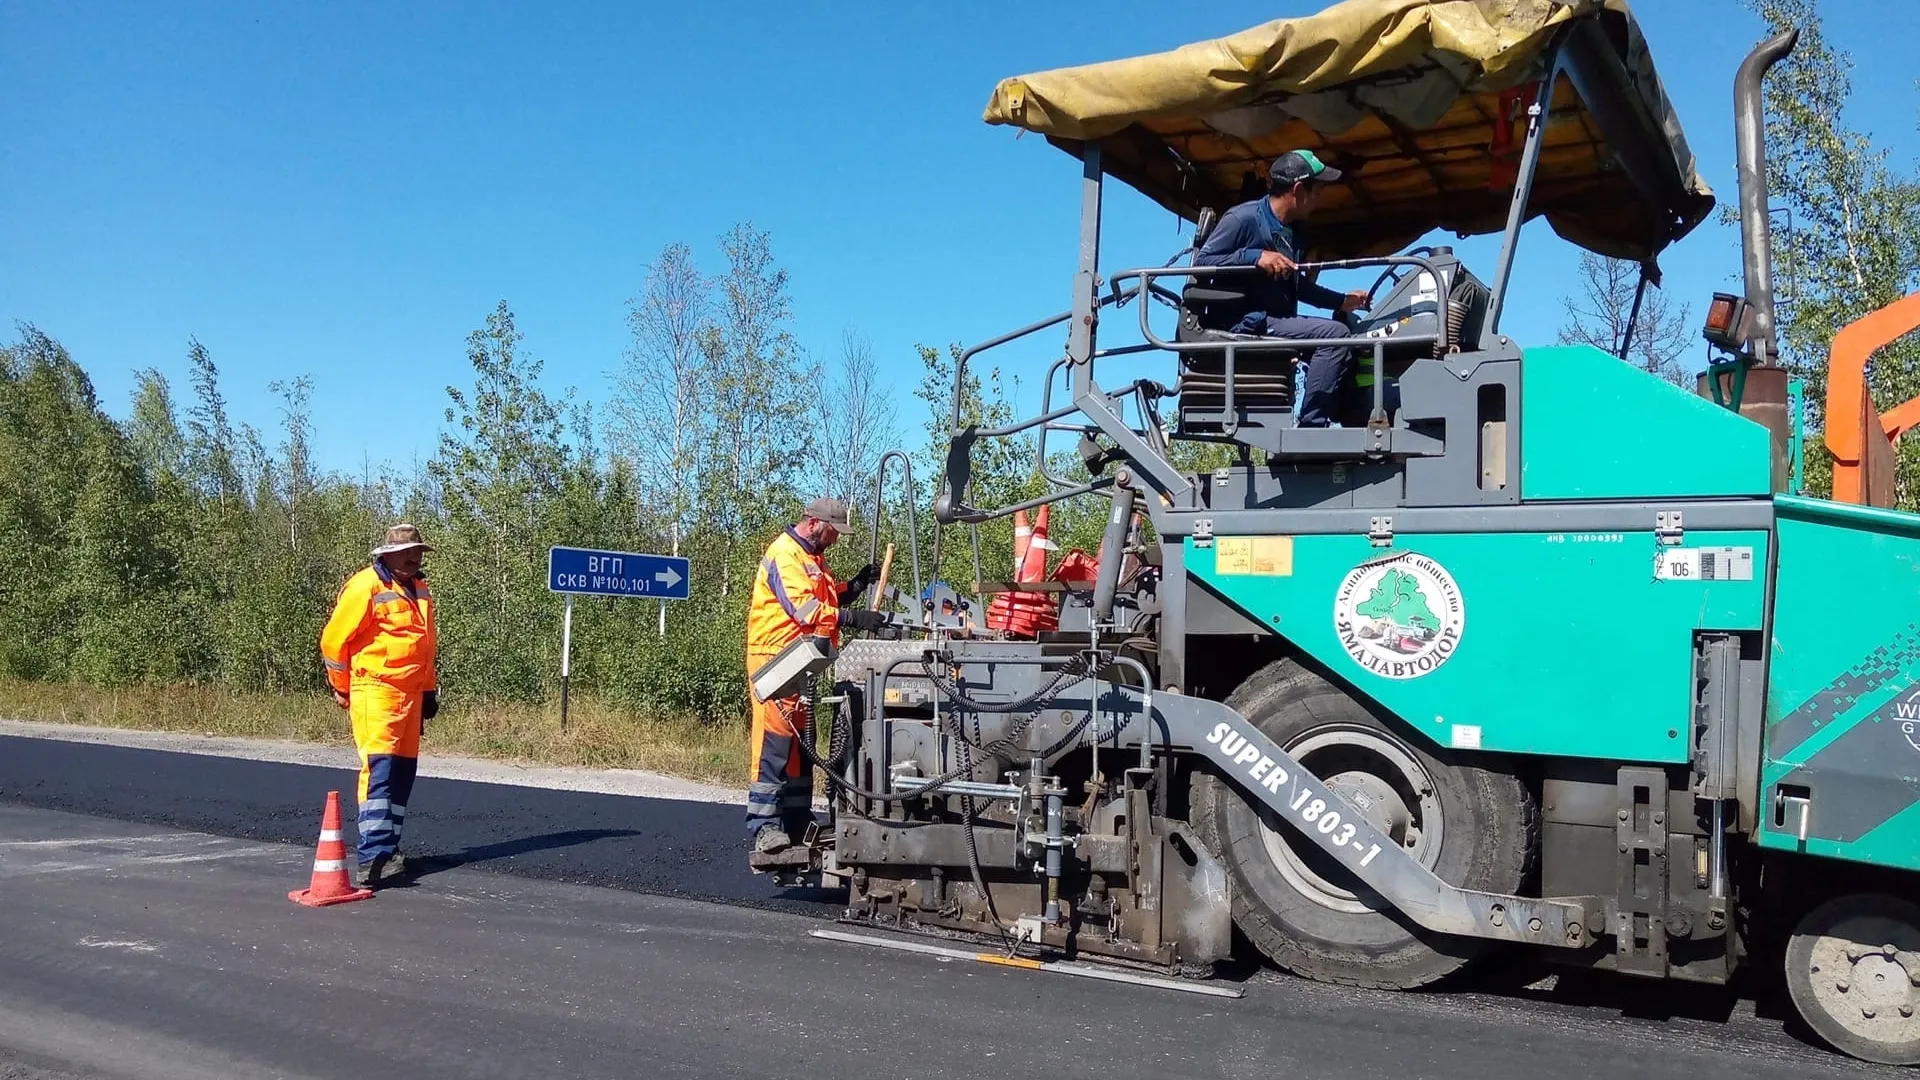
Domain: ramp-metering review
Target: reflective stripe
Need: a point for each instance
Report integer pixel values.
(807, 611)
(329, 835)
(333, 665)
(374, 825)
(321, 866)
(396, 811)
(383, 597)
(779, 589)
(373, 804)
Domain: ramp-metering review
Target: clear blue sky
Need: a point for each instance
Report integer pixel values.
(346, 190)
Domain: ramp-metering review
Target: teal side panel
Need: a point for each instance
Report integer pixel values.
(1568, 644)
(1843, 710)
(1595, 427)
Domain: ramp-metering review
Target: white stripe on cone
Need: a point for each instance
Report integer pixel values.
(324, 866)
(329, 835)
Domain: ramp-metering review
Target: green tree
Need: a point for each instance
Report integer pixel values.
(762, 393)
(1854, 245)
(502, 464)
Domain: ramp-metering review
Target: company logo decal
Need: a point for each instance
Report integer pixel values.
(1400, 617)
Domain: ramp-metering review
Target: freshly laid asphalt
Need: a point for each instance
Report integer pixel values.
(666, 847)
(145, 932)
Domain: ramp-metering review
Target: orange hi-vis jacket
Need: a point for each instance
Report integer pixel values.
(382, 630)
(794, 595)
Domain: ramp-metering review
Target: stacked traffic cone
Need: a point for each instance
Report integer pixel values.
(1001, 606)
(330, 884)
(1025, 614)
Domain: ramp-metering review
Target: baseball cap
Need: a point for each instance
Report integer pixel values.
(831, 511)
(1296, 165)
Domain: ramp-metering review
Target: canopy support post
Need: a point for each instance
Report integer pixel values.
(1082, 335)
(1522, 190)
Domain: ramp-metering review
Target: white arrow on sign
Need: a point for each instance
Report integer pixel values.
(668, 577)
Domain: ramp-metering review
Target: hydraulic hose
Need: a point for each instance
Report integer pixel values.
(1075, 669)
(998, 747)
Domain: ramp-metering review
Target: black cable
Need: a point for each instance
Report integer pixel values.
(997, 748)
(973, 853)
(1076, 668)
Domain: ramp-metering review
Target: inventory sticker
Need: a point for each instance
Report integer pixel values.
(1400, 617)
(1703, 564)
(1267, 556)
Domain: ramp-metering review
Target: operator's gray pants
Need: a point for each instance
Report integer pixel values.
(1329, 368)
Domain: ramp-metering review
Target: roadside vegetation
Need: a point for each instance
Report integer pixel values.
(597, 735)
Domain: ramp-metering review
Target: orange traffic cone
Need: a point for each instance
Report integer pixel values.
(330, 884)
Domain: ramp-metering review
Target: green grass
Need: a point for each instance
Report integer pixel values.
(597, 735)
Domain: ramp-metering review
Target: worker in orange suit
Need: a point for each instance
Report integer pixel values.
(379, 648)
(794, 595)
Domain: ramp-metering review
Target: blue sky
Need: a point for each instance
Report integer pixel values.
(346, 190)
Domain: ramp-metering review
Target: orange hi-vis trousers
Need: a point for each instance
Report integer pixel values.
(780, 789)
(386, 730)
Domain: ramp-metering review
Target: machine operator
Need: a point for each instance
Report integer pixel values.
(1260, 232)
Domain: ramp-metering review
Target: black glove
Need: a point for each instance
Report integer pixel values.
(858, 584)
(429, 705)
(862, 619)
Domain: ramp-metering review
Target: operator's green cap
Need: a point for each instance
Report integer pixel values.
(1296, 165)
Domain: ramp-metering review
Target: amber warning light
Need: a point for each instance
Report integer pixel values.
(1727, 321)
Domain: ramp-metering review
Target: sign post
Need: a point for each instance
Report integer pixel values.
(588, 572)
(566, 659)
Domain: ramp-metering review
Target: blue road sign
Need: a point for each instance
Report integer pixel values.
(616, 573)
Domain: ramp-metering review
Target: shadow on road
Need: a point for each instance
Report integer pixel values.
(423, 865)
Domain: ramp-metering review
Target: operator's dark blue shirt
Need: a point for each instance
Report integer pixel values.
(1238, 239)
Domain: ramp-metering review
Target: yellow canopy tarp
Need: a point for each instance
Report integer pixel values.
(1420, 102)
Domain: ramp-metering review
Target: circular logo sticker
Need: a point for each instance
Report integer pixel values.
(1908, 713)
(1400, 617)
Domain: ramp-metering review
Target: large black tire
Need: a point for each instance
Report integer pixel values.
(1487, 838)
(1849, 986)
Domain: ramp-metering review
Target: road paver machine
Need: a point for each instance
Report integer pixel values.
(1546, 653)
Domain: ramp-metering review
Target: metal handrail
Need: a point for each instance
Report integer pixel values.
(1230, 422)
(1147, 275)
(1156, 436)
(913, 523)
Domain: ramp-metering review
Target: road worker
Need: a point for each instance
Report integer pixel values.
(379, 648)
(794, 595)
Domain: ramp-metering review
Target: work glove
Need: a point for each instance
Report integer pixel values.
(862, 619)
(859, 583)
(429, 705)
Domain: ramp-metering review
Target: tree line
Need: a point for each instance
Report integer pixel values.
(181, 546)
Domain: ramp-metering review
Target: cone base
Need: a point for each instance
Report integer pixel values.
(306, 897)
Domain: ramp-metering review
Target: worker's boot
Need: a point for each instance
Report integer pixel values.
(367, 874)
(770, 840)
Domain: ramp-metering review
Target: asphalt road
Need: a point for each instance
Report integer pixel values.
(145, 931)
(666, 847)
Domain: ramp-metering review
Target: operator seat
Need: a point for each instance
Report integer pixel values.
(1263, 380)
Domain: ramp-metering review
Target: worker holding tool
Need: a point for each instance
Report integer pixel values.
(1260, 232)
(379, 648)
(794, 595)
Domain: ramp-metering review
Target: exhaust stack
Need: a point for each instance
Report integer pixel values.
(1756, 233)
